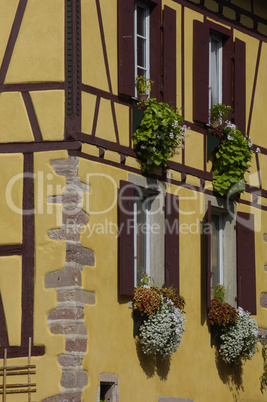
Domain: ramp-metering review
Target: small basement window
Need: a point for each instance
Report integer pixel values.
(108, 390)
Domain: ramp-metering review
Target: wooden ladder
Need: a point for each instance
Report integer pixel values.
(25, 370)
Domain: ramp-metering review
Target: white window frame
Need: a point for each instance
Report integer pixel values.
(146, 38)
(146, 206)
(218, 39)
(154, 191)
(227, 210)
(220, 246)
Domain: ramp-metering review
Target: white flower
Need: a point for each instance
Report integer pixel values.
(231, 125)
(230, 138)
(163, 331)
(143, 146)
(239, 341)
(258, 149)
(171, 135)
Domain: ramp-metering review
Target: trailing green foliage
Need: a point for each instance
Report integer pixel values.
(159, 134)
(232, 161)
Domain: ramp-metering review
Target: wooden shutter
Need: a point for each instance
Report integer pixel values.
(172, 242)
(155, 48)
(246, 276)
(169, 56)
(208, 275)
(126, 239)
(240, 85)
(227, 71)
(201, 72)
(126, 47)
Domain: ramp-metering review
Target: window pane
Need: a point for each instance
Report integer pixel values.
(214, 71)
(141, 15)
(141, 51)
(215, 251)
(140, 241)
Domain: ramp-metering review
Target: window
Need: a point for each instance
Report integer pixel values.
(231, 253)
(142, 43)
(108, 389)
(149, 234)
(215, 70)
(142, 235)
(216, 249)
(141, 40)
(219, 72)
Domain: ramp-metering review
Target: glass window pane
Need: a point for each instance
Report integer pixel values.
(214, 73)
(215, 251)
(141, 16)
(141, 51)
(140, 241)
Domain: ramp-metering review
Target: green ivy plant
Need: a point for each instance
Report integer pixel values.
(159, 134)
(232, 161)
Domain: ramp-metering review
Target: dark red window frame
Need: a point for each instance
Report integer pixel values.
(234, 73)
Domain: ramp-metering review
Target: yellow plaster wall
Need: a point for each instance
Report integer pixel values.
(259, 110)
(189, 16)
(15, 125)
(194, 150)
(93, 64)
(6, 20)
(10, 289)
(111, 346)
(40, 43)
(11, 168)
(50, 112)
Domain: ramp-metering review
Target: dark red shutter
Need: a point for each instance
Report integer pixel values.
(201, 72)
(227, 72)
(172, 242)
(126, 47)
(155, 49)
(240, 85)
(246, 276)
(126, 238)
(208, 233)
(169, 56)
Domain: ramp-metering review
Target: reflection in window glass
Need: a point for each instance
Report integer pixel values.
(141, 39)
(215, 70)
(216, 250)
(142, 209)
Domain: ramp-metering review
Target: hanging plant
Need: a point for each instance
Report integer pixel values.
(236, 329)
(232, 161)
(159, 135)
(238, 342)
(162, 324)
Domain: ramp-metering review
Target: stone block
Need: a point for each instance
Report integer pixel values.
(263, 300)
(76, 345)
(67, 313)
(69, 276)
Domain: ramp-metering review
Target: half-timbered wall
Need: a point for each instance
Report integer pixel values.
(67, 112)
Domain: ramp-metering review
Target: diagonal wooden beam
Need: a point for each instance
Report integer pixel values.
(12, 39)
(254, 87)
(32, 116)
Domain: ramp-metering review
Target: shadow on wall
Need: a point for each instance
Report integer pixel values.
(230, 375)
(152, 364)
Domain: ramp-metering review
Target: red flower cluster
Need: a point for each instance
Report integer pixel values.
(148, 300)
(222, 313)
